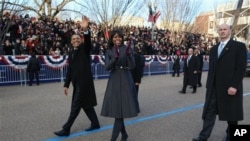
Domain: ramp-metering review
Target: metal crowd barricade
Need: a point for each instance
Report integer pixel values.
(146, 69)
(158, 68)
(48, 73)
(10, 74)
(18, 74)
(23, 74)
(100, 71)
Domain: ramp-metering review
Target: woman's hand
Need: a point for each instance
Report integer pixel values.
(128, 48)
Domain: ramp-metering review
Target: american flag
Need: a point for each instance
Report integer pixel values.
(153, 17)
(156, 16)
(150, 16)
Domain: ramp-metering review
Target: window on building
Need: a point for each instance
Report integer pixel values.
(211, 24)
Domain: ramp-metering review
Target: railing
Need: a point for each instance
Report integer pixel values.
(18, 74)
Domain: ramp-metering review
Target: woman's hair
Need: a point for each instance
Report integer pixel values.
(112, 34)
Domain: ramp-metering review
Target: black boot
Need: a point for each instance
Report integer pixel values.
(124, 133)
(183, 91)
(116, 129)
(194, 89)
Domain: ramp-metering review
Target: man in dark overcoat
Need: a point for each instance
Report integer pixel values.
(137, 74)
(79, 73)
(33, 68)
(224, 94)
(176, 65)
(190, 70)
(200, 57)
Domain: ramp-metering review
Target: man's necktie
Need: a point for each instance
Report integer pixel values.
(74, 51)
(188, 59)
(220, 49)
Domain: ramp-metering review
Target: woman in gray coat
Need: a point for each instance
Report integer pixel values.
(119, 100)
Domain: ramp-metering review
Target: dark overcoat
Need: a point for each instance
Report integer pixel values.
(200, 57)
(176, 64)
(138, 69)
(79, 72)
(120, 95)
(189, 67)
(33, 64)
(226, 71)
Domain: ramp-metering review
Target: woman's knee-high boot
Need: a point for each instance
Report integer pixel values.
(116, 129)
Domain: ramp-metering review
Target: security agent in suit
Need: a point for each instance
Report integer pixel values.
(79, 73)
(176, 65)
(224, 94)
(33, 68)
(137, 73)
(190, 70)
(200, 57)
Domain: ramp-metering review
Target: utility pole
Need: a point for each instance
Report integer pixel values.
(236, 16)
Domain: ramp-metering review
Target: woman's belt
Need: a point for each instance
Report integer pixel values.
(121, 67)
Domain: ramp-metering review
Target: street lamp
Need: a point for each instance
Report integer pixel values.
(152, 10)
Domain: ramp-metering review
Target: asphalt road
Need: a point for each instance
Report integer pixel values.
(34, 113)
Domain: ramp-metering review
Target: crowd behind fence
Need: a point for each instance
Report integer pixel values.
(10, 75)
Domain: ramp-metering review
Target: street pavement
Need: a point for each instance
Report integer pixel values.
(34, 113)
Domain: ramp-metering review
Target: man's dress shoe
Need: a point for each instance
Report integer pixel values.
(62, 133)
(181, 92)
(92, 128)
(199, 139)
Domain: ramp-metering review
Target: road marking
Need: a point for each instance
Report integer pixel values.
(133, 121)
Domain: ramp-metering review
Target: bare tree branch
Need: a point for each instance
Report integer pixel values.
(37, 4)
(23, 6)
(70, 10)
(179, 12)
(80, 4)
(60, 6)
(112, 12)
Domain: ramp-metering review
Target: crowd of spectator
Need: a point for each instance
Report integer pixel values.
(52, 37)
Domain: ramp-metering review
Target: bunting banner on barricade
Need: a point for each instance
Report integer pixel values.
(15, 61)
(55, 61)
(149, 59)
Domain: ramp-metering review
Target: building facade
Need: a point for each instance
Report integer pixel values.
(225, 13)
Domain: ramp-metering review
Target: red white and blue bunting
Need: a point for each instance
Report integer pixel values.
(55, 61)
(163, 59)
(149, 59)
(20, 62)
(101, 59)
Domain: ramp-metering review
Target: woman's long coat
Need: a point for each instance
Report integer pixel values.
(119, 100)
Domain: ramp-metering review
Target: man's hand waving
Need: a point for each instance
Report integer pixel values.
(84, 23)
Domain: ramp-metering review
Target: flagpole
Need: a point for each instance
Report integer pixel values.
(153, 13)
(152, 31)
